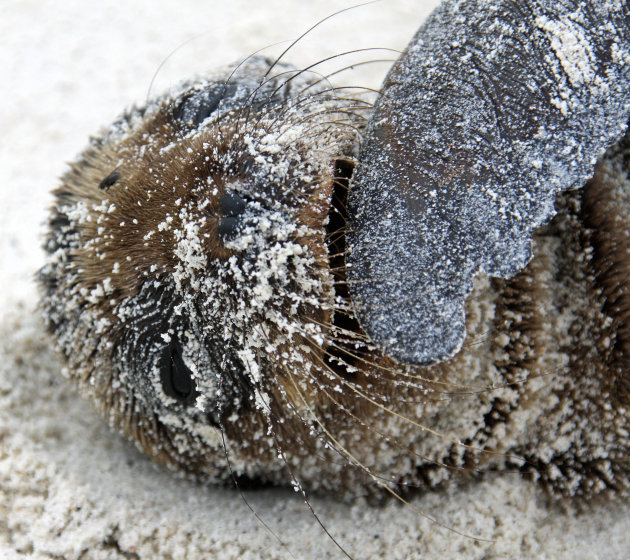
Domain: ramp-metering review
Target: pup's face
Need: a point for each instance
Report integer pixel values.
(196, 252)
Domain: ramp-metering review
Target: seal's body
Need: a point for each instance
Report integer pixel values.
(196, 285)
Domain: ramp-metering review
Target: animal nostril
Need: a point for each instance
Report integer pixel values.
(232, 204)
(176, 377)
(228, 226)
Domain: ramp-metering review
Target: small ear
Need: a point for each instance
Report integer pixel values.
(493, 108)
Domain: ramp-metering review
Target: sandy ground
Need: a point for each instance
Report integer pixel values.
(69, 487)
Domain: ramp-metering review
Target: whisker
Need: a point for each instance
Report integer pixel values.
(246, 501)
(168, 57)
(349, 67)
(353, 459)
(328, 59)
(310, 29)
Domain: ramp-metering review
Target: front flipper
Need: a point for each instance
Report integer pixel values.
(494, 107)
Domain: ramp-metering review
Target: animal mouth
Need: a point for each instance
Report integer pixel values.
(343, 353)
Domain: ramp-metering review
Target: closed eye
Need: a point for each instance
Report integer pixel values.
(176, 376)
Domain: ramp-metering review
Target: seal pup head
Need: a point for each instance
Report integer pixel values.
(190, 282)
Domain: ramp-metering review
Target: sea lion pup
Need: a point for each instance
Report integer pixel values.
(196, 287)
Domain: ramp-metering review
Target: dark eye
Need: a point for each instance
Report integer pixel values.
(176, 377)
(109, 181)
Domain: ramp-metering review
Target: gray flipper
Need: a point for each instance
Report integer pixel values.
(492, 109)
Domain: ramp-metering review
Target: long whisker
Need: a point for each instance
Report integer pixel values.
(310, 29)
(246, 501)
(379, 482)
(168, 57)
(394, 440)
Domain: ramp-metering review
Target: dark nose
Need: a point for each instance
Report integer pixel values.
(232, 206)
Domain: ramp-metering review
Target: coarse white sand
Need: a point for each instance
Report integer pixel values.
(69, 487)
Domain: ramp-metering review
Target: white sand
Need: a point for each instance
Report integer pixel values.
(69, 487)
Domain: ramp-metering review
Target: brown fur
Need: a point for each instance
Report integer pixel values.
(540, 386)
